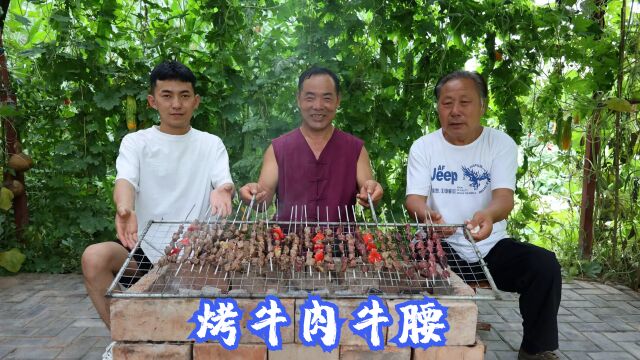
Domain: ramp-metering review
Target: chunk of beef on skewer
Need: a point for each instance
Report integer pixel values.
(280, 256)
(230, 254)
(295, 242)
(351, 248)
(360, 245)
(381, 241)
(423, 268)
(342, 248)
(387, 261)
(261, 241)
(405, 251)
(173, 248)
(296, 255)
(197, 251)
(410, 271)
(329, 238)
(442, 255)
(211, 259)
(328, 257)
(228, 233)
(309, 259)
(221, 256)
(194, 226)
(308, 244)
(393, 252)
(285, 260)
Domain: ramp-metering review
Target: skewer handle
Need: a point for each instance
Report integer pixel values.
(253, 199)
(373, 209)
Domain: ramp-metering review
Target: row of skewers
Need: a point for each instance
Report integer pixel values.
(329, 248)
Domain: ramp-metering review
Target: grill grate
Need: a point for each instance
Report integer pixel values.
(406, 261)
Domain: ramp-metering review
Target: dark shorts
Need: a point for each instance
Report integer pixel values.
(143, 267)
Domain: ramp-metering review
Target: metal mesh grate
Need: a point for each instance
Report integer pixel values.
(248, 259)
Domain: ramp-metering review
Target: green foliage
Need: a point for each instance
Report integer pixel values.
(74, 63)
(12, 259)
(6, 196)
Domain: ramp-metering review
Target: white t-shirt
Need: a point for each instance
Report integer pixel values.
(458, 180)
(171, 174)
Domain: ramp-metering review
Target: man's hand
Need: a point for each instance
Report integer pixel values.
(370, 187)
(127, 227)
(434, 217)
(250, 189)
(480, 226)
(220, 200)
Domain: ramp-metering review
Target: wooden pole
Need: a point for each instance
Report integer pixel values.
(11, 138)
(589, 182)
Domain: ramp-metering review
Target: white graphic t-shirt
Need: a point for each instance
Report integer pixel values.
(458, 180)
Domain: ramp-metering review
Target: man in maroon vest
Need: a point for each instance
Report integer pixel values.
(316, 166)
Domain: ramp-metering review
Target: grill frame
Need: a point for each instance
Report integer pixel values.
(463, 292)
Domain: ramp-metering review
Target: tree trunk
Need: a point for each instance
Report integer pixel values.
(618, 139)
(7, 97)
(589, 182)
(589, 175)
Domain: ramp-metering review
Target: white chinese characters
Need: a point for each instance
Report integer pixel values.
(421, 323)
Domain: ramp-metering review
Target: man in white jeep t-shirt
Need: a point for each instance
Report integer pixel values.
(168, 172)
(466, 173)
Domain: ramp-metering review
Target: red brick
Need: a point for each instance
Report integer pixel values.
(143, 351)
(462, 317)
(473, 352)
(152, 319)
(166, 319)
(216, 351)
(299, 351)
(352, 352)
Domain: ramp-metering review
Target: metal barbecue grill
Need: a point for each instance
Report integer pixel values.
(252, 257)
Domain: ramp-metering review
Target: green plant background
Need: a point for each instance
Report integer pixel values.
(550, 67)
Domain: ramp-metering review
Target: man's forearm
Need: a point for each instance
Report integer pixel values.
(501, 205)
(124, 195)
(416, 205)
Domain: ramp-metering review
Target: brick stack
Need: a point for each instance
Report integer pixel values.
(147, 328)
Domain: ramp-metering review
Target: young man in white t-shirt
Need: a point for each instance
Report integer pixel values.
(168, 172)
(466, 173)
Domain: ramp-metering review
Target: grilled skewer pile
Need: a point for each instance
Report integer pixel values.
(298, 247)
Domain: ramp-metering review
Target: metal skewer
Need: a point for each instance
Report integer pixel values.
(373, 209)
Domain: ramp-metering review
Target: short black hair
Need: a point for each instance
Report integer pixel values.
(171, 70)
(478, 80)
(317, 70)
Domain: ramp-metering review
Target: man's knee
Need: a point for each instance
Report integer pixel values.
(545, 264)
(99, 258)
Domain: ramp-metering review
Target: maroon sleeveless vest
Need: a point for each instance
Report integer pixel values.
(325, 183)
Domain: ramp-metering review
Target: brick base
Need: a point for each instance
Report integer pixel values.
(188, 351)
(144, 351)
(299, 351)
(243, 352)
(350, 352)
(473, 352)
